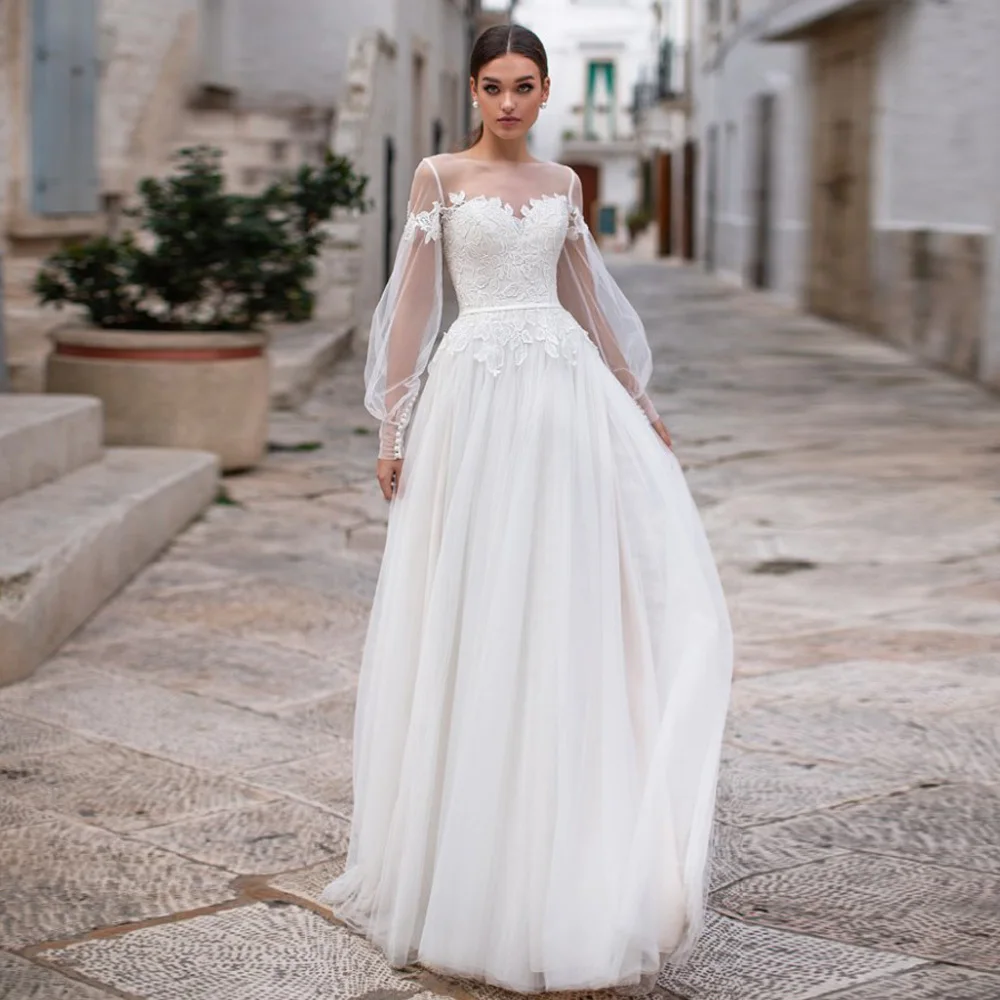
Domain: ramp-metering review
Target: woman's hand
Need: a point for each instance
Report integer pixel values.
(388, 472)
(662, 433)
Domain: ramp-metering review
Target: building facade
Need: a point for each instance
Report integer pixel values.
(849, 152)
(598, 51)
(100, 93)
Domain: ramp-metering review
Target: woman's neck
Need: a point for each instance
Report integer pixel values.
(493, 148)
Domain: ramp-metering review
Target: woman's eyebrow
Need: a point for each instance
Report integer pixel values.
(520, 79)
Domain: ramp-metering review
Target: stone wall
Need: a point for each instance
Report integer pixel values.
(936, 150)
(147, 72)
(931, 292)
(5, 102)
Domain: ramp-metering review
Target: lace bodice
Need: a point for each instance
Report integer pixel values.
(514, 240)
(497, 255)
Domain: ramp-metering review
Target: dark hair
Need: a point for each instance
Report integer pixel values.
(498, 41)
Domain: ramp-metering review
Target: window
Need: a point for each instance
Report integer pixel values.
(600, 99)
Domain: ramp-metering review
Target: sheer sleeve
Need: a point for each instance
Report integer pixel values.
(588, 291)
(407, 318)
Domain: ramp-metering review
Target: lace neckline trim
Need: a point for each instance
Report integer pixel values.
(429, 222)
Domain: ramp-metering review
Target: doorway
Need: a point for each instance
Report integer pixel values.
(760, 264)
(843, 65)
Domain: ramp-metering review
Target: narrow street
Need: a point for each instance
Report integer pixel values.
(175, 784)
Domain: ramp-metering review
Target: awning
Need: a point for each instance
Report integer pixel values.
(797, 19)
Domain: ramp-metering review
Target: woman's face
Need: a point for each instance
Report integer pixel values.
(510, 90)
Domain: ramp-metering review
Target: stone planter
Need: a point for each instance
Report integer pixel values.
(207, 391)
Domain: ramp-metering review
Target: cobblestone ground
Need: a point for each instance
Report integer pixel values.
(175, 784)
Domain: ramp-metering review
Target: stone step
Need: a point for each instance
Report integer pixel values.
(299, 354)
(19, 272)
(70, 544)
(45, 437)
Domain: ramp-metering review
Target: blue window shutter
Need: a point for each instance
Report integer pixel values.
(64, 107)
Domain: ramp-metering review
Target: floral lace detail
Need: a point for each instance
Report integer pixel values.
(577, 224)
(496, 257)
(504, 338)
(428, 222)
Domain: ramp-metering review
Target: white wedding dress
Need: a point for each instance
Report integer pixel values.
(548, 661)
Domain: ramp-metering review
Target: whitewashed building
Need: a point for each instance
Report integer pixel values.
(848, 160)
(101, 92)
(598, 51)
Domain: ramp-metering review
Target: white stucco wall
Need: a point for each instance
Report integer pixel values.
(936, 149)
(5, 103)
(575, 32)
(725, 96)
(294, 52)
(136, 36)
(936, 119)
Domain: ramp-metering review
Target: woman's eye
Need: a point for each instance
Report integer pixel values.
(526, 88)
(491, 88)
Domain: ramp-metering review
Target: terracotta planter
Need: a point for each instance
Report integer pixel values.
(179, 390)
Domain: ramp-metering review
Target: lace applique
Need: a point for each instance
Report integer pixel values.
(577, 224)
(428, 222)
(499, 340)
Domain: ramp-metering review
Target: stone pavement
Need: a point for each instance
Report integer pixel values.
(175, 784)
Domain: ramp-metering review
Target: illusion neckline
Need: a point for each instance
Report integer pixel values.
(458, 199)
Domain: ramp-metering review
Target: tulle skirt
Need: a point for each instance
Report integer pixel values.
(543, 689)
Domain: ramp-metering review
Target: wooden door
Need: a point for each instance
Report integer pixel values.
(760, 265)
(690, 200)
(590, 184)
(665, 203)
(711, 195)
(843, 64)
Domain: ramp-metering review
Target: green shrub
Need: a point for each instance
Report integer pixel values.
(199, 258)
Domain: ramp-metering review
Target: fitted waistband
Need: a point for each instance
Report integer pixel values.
(509, 307)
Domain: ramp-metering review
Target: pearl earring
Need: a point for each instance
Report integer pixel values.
(475, 104)
(545, 104)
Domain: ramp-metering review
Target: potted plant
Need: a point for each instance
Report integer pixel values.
(637, 221)
(175, 344)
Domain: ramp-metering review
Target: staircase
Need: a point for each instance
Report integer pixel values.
(78, 520)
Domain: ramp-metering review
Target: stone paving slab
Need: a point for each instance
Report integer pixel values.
(258, 952)
(20, 736)
(14, 812)
(850, 498)
(325, 780)
(887, 903)
(63, 879)
(119, 789)
(256, 609)
(738, 853)
(734, 961)
(936, 982)
(234, 671)
(21, 979)
(760, 787)
(963, 745)
(876, 641)
(177, 726)
(955, 825)
(310, 882)
(333, 715)
(271, 837)
(904, 688)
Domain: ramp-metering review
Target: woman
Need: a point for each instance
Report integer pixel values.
(548, 661)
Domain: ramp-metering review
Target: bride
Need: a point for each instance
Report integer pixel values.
(548, 662)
